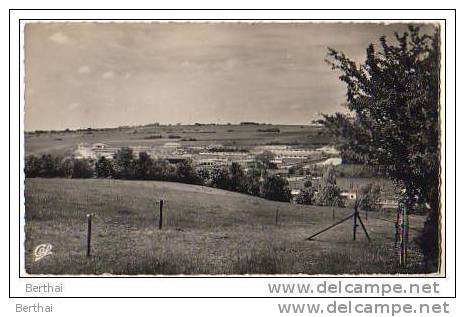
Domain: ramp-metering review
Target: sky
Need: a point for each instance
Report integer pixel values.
(80, 75)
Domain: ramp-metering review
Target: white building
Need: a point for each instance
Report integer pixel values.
(97, 150)
(171, 145)
(331, 161)
(84, 151)
(349, 195)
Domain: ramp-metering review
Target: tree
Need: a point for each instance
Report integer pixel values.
(49, 166)
(162, 170)
(236, 175)
(82, 168)
(185, 173)
(104, 168)
(393, 119)
(220, 178)
(308, 184)
(252, 182)
(124, 163)
(143, 166)
(292, 170)
(276, 188)
(205, 175)
(329, 194)
(329, 176)
(305, 197)
(370, 197)
(264, 160)
(32, 166)
(67, 167)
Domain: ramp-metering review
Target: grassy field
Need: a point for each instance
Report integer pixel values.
(206, 231)
(64, 143)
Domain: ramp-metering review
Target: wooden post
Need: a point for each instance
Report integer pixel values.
(396, 228)
(355, 223)
(406, 234)
(160, 219)
(332, 226)
(402, 238)
(403, 259)
(363, 227)
(334, 215)
(89, 233)
(277, 216)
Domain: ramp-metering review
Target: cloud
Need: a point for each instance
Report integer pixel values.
(230, 64)
(59, 37)
(84, 70)
(73, 106)
(108, 75)
(296, 106)
(127, 75)
(130, 109)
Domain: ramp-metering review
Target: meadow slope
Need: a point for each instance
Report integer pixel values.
(205, 231)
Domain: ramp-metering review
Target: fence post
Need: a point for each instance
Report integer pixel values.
(396, 227)
(404, 236)
(160, 219)
(89, 233)
(407, 225)
(355, 222)
(334, 215)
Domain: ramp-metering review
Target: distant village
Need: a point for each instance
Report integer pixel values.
(296, 164)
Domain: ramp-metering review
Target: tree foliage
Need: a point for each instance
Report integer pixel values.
(370, 196)
(392, 118)
(264, 160)
(123, 162)
(104, 168)
(185, 173)
(329, 194)
(305, 197)
(276, 188)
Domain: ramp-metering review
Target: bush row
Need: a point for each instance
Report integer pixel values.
(125, 165)
(254, 181)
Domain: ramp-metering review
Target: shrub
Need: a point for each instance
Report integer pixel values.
(185, 173)
(220, 178)
(49, 166)
(32, 166)
(252, 182)
(276, 188)
(153, 136)
(305, 197)
(429, 242)
(124, 164)
(103, 168)
(264, 160)
(276, 130)
(205, 175)
(329, 194)
(236, 177)
(162, 170)
(143, 166)
(82, 169)
(370, 196)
